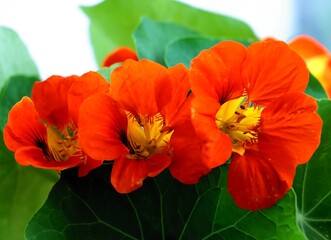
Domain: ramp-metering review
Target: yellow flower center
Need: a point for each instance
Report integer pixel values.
(62, 144)
(240, 121)
(147, 135)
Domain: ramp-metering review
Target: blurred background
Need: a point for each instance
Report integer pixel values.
(56, 31)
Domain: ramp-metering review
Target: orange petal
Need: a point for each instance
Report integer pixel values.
(255, 183)
(272, 69)
(102, 128)
(90, 164)
(307, 46)
(34, 156)
(188, 165)
(86, 85)
(128, 174)
(157, 163)
(215, 72)
(179, 106)
(216, 146)
(50, 98)
(291, 125)
(142, 87)
(119, 55)
(24, 127)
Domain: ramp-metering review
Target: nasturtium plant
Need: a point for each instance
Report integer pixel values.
(129, 142)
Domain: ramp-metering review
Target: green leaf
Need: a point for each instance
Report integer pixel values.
(89, 208)
(17, 71)
(185, 49)
(14, 57)
(315, 89)
(22, 189)
(113, 22)
(313, 184)
(15, 88)
(151, 38)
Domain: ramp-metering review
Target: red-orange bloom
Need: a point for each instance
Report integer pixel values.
(250, 102)
(119, 55)
(317, 58)
(143, 125)
(42, 131)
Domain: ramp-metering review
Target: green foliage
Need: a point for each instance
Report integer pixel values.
(89, 208)
(113, 22)
(313, 184)
(315, 89)
(15, 59)
(185, 49)
(22, 189)
(151, 38)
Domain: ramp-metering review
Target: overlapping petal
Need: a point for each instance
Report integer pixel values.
(102, 129)
(178, 108)
(24, 127)
(141, 87)
(119, 55)
(291, 125)
(215, 73)
(84, 86)
(55, 90)
(272, 69)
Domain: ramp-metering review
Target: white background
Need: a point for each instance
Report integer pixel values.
(56, 31)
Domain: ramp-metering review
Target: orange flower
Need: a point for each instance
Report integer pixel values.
(119, 55)
(317, 58)
(142, 124)
(250, 101)
(42, 131)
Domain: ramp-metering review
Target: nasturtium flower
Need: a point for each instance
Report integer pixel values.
(119, 55)
(249, 103)
(42, 130)
(317, 58)
(144, 125)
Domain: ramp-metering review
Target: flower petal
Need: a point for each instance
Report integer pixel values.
(141, 87)
(157, 163)
(291, 125)
(24, 127)
(307, 46)
(217, 146)
(272, 69)
(86, 85)
(102, 129)
(255, 182)
(34, 156)
(119, 55)
(128, 174)
(179, 106)
(50, 98)
(215, 73)
(89, 164)
(188, 166)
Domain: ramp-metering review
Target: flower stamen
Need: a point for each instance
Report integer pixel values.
(61, 145)
(147, 135)
(240, 121)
